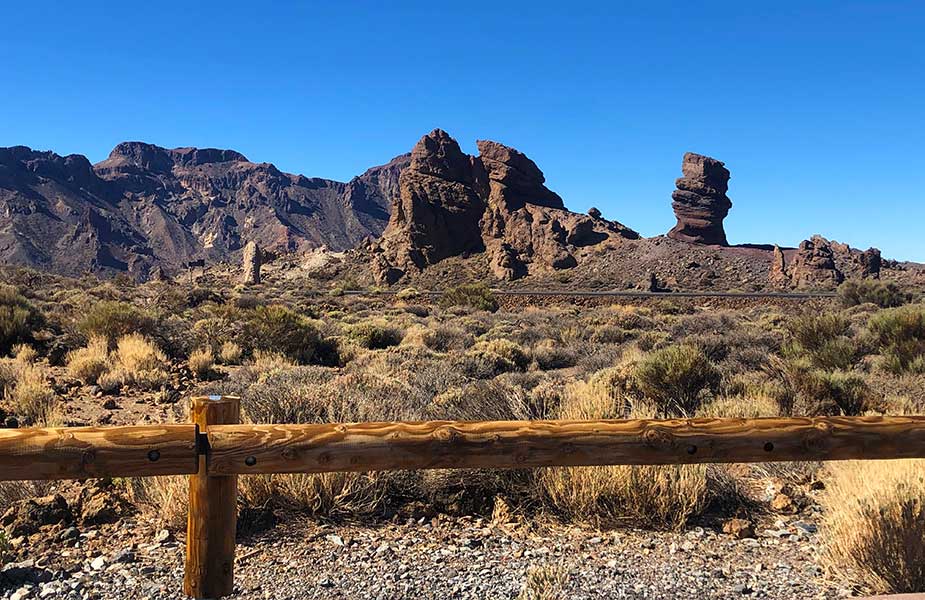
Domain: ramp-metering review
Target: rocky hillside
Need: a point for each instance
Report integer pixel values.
(147, 206)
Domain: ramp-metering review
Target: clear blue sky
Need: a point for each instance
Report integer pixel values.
(817, 108)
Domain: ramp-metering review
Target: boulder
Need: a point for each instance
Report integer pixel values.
(251, 262)
(700, 202)
(27, 516)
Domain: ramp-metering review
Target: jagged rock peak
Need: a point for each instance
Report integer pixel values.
(520, 175)
(700, 202)
(439, 155)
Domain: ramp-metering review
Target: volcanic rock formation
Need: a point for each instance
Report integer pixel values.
(700, 202)
(452, 204)
(251, 263)
(148, 206)
(813, 266)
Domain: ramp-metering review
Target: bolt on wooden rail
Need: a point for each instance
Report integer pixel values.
(214, 449)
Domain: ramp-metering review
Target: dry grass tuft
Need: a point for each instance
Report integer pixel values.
(231, 354)
(201, 362)
(546, 582)
(89, 363)
(31, 397)
(874, 523)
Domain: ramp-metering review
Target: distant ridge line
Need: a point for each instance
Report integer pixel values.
(620, 294)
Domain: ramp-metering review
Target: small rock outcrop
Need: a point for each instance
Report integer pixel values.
(778, 276)
(700, 202)
(251, 261)
(452, 204)
(813, 266)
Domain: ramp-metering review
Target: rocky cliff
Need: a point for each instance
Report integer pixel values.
(147, 206)
(452, 204)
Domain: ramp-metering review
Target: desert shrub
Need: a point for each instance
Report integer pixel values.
(476, 295)
(374, 335)
(676, 379)
(32, 398)
(546, 582)
(874, 523)
(18, 319)
(550, 354)
(231, 353)
(275, 328)
(88, 363)
(440, 338)
(899, 335)
(408, 293)
(824, 339)
(490, 358)
(884, 294)
(201, 362)
(113, 320)
(610, 334)
(138, 362)
(25, 353)
(741, 407)
(811, 391)
(660, 496)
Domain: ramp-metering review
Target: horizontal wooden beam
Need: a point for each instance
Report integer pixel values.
(243, 449)
(88, 452)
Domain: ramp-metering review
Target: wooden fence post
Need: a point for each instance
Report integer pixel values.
(212, 520)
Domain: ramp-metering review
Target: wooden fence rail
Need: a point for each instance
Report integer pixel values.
(214, 449)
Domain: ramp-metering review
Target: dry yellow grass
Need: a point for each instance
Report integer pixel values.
(139, 362)
(25, 353)
(660, 496)
(163, 499)
(545, 582)
(87, 364)
(231, 354)
(32, 398)
(201, 362)
(874, 523)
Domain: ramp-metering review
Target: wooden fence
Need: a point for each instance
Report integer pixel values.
(214, 449)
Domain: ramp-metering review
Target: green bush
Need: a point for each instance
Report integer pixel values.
(18, 319)
(823, 339)
(374, 335)
(884, 294)
(676, 379)
(113, 320)
(476, 295)
(899, 334)
(275, 328)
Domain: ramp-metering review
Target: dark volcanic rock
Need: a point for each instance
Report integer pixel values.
(451, 204)
(147, 206)
(700, 202)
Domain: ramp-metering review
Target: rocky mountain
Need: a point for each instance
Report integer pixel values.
(147, 206)
(452, 204)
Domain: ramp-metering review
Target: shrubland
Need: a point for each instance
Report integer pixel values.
(300, 358)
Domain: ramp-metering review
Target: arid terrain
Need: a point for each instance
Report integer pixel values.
(296, 349)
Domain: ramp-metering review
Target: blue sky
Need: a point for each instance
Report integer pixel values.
(817, 108)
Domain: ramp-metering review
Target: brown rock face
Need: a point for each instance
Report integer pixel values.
(779, 276)
(814, 267)
(700, 202)
(251, 263)
(437, 212)
(451, 204)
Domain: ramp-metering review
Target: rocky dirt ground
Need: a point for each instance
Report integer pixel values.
(442, 557)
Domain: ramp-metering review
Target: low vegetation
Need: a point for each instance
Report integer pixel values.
(301, 358)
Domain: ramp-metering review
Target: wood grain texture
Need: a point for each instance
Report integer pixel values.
(88, 452)
(246, 449)
(213, 512)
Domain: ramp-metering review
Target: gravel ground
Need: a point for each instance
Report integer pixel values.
(443, 558)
